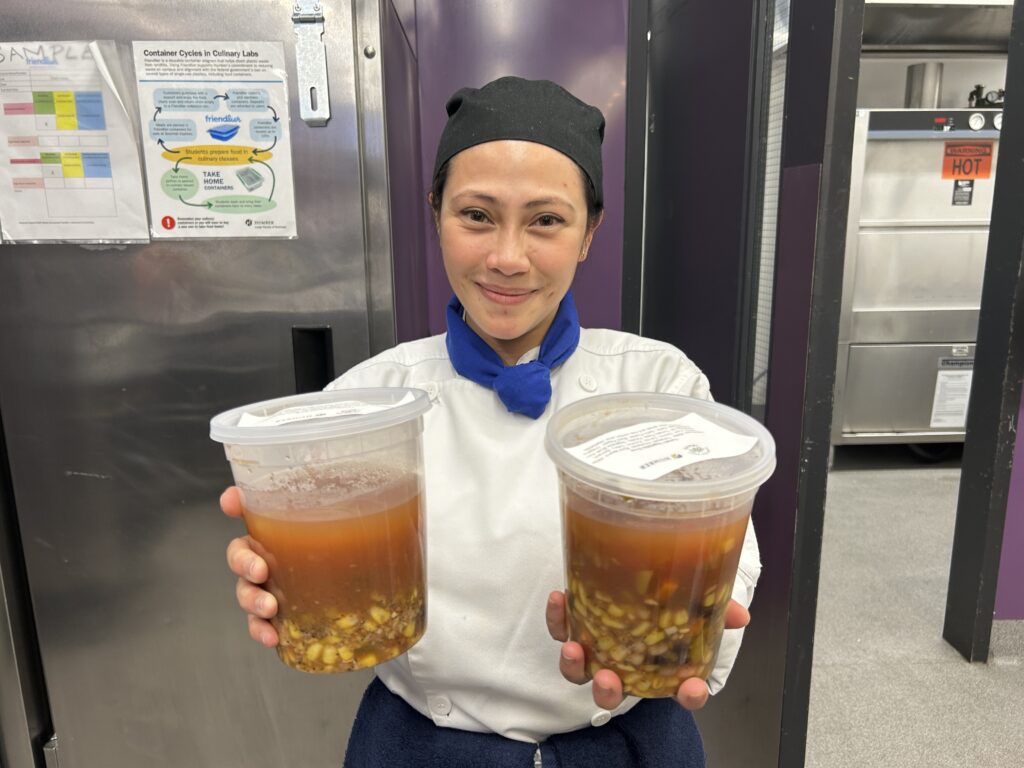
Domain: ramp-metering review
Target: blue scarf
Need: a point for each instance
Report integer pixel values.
(522, 388)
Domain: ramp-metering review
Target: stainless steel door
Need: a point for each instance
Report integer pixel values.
(113, 362)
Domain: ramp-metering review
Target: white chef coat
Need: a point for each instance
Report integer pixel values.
(494, 541)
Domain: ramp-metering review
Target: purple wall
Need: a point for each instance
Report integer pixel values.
(1010, 586)
(580, 44)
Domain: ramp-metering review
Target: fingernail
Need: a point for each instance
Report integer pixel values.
(261, 605)
(566, 657)
(252, 568)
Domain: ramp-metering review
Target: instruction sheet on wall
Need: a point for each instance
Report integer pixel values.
(216, 138)
(69, 169)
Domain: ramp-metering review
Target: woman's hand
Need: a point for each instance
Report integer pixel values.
(251, 570)
(607, 687)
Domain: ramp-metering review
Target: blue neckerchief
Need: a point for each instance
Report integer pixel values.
(524, 388)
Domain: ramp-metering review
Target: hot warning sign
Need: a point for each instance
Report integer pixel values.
(967, 160)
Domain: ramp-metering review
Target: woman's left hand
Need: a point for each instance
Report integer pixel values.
(607, 687)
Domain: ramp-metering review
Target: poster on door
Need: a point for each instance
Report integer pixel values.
(216, 138)
(69, 167)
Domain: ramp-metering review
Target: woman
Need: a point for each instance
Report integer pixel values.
(516, 199)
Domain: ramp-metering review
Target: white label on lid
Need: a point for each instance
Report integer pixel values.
(318, 411)
(650, 450)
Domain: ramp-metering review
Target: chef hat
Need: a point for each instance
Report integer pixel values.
(525, 110)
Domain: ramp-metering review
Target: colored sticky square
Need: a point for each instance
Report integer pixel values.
(42, 102)
(48, 158)
(96, 165)
(64, 103)
(67, 123)
(71, 164)
(89, 107)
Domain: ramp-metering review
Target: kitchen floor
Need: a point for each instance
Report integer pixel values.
(886, 689)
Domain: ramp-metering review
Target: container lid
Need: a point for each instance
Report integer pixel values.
(318, 416)
(660, 446)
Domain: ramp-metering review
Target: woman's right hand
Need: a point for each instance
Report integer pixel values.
(251, 570)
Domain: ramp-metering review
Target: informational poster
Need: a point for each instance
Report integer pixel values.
(952, 392)
(69, 165)
(216, 138)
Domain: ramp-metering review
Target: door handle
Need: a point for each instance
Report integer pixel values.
(313, 353)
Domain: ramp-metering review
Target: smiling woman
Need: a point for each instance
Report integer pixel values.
(517, 199)
(513, 226)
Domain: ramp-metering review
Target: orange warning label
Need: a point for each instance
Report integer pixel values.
(967, 160)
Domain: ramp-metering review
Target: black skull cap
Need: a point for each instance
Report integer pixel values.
(525, 110)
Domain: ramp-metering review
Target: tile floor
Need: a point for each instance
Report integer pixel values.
(886, 689)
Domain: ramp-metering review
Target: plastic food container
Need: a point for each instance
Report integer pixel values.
(656, 495)
(332, 493)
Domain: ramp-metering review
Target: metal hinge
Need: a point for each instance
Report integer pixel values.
(311, 62)
(50, 753)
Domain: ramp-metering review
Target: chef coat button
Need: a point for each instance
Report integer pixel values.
(588, 382)
(601, 718)
(440, 705)
(431, 389)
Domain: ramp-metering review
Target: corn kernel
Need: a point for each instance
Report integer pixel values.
(641, 629)
(616, 611)
(345, 654)
(605, 642)
(348, 621)
(409, 629)
(654, 637)
(618, 653)
(367, 660)
(313, 651)
(379, 614)
(664, 618)
(369, 626)
(330, 655)
(642, 580)
(608, 621)
(681, 617)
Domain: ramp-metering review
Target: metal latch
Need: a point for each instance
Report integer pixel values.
(311, 62)
(50, 755)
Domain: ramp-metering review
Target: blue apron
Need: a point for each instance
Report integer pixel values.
(388, 733)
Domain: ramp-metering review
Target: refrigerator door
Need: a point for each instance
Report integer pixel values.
(114, 360)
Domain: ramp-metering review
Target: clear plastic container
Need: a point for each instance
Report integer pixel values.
(655, 504)
(332, 493)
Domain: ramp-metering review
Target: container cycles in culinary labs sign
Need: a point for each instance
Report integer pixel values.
(215, 133)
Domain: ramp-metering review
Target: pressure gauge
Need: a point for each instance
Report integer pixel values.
(976, 121)
(997, 121)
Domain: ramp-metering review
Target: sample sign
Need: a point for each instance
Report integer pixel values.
(967, 160)
(217, 142)
(69, 168)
